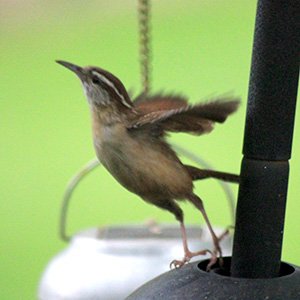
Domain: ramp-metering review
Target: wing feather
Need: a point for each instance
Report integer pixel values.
(159, 101)
(173, 113)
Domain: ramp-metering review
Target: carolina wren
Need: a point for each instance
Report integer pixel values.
(129, 139)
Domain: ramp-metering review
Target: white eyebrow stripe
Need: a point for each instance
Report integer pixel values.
(109, 83)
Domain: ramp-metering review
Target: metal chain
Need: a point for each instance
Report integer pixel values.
(144, 38)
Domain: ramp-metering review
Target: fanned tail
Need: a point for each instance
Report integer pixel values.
(198, 174)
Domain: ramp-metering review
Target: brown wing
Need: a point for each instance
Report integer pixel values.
(158, 102)
(181, 117)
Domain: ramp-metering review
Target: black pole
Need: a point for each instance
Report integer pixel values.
(267, 140)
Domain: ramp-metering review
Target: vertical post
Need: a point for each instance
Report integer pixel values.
(267, 140)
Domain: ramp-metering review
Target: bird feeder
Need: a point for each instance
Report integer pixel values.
(255, 270)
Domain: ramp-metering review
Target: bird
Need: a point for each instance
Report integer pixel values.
(129, 138)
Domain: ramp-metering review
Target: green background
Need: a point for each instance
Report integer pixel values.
(199, 47)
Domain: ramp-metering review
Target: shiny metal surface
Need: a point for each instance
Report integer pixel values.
(111, 263)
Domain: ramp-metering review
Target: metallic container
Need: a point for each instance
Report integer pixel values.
(111, 263)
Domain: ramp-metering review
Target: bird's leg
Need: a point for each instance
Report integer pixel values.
(187, 253)
(224, 233)
(216, 240)
(217, 249)
(172, 207)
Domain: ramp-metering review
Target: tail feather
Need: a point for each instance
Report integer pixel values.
(198, 174)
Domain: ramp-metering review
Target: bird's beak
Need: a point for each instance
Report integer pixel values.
(76, 69)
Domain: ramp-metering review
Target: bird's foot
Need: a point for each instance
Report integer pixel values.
(217, 251)
(177, 263)
(214, 259)
(188, 255)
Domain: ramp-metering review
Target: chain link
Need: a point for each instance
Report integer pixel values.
(144, 38)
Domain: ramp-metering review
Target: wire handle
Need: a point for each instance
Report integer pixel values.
(91, 165)
(86, 169)
(225, 186)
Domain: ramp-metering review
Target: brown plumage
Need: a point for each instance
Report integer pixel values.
(174, 114)
(129, 140)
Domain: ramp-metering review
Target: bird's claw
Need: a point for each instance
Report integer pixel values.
(177, 263)
(217, 252)
(213, 260)
(187, 257)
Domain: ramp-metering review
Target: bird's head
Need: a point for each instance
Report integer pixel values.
(101, 88)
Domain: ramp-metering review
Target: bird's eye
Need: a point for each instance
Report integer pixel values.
(96, 80)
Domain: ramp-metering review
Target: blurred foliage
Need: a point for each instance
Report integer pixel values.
(200, 48)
